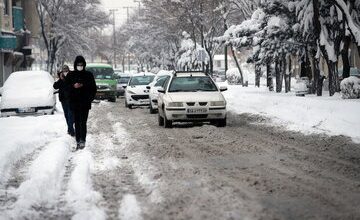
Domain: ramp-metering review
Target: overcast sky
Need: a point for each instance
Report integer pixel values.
(120, 15)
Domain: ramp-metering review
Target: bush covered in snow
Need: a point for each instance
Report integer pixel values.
(350, 88)
(233, 76)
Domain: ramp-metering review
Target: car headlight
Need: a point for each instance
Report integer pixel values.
(218, 103)
(175, 104)
(130, 92)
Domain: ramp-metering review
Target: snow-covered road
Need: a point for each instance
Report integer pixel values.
(134, 169)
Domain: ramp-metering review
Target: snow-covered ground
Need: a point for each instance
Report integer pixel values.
(309, 114)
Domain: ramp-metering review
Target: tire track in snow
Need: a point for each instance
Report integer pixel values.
(114, 176)
(80, 196)
(38, 195)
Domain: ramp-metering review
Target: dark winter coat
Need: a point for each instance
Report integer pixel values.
(64, 89)
(81, 97)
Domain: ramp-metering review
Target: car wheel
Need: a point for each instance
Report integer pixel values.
(160, 120)
(152, 111)
(221, 123)
(167, 123)
(112, 99)
(130, 106)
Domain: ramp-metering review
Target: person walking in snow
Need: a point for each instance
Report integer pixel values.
(64, 92)
(82, 93)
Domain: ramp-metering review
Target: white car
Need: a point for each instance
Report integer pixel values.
(28, 92)
(158, 83)
(136, 93)
(191, 96)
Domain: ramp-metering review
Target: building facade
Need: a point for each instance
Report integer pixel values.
(19, 30)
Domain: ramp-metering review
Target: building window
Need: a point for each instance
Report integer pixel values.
(218, 63)
(6, 7)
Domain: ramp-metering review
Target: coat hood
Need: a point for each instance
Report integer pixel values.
(79, 59)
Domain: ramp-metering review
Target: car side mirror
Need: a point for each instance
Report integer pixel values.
(161, 90)
(124, 87)
(148, 87)
(223, 88)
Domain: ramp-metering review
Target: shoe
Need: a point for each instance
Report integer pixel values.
(72, 134)
(82, 145)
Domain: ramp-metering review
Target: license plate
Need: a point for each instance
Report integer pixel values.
(26, 110)
(100, 94)
(197, 111)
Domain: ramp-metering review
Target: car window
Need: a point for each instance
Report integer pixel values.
(101, 72)
(161, 81)
(123, 80)
(141, 80)
(190, 84)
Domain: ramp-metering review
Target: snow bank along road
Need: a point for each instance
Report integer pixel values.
(134, 169)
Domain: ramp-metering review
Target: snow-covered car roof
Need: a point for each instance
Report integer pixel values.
(143, 74)
(165, 73)
(28, 89)
(187, 74)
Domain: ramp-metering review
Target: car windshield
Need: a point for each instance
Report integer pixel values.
(141, 80)
(101, 72)
(123, 80)
(160, 82)
(192, 84)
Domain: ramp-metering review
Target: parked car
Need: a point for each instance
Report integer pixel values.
(28, 93)
(191, 96)
(302, 86)
(158, 82)
(105, 81)
(136, 93)
(122, 80)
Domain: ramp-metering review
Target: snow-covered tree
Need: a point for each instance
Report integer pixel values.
(67, 27)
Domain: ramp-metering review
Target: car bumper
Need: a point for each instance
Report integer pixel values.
(36, 111)
(183, 115)
(105, 95)
(138, 100)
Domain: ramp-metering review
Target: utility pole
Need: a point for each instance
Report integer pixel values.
(127, 21)
(127, 12)
(114, 34)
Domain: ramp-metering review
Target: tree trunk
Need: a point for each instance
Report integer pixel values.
(332, 77)
(345, 57)
(278, 76)
(287, 76)
(269, 81)
(257, 75)
(237, 65)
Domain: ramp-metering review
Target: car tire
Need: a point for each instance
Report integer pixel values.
(112, 99)
(130, 106)
(167, 123)
(152, 111)
(160, 120)
(221, 123)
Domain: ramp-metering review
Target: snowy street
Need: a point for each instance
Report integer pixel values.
(134, 169)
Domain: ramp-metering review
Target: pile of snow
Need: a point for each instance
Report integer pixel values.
(310, 114)
(28, 89)
(350, 88)
(21, 136)
(44, 181)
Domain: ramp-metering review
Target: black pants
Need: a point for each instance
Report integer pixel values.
(80, 114)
